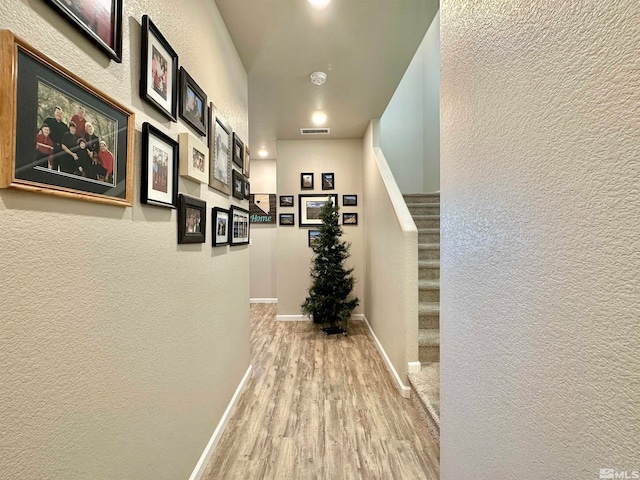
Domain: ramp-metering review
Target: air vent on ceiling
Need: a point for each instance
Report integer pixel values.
(315, 131)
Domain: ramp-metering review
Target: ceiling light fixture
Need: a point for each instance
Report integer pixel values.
(318, 78)
(319, 118)
(263, 152)
(319, 4)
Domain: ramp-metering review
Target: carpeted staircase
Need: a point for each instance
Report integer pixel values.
(425, 210)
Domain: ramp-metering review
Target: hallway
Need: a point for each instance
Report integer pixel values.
(320, 408)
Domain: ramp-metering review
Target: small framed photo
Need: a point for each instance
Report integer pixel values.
(349, 218)
(287, 219)
(60, 136)
(159, 184)
(220, 226)
(193, 103)
(159, 70)
(247, 189)
(310, 205)
(238, 185)
(328, 181)
(238, 152)
(239, 232)
(220, 145)
(99, 20)
(306, 181)
(194, 158)
(314, 237)
(247, 160)
(192, 219)
(349, 200)
(286, 200)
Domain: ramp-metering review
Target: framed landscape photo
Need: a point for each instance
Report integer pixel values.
(286, 200)
(314, 237)
(238, 152)
(193, 103)
(238, 185)
(287, 219)
(239, 231)
(194, 158)
(158, 70)
(309, 206)
(61, 136)
(328, 181)
(306, 181)
(99, 20)
(220, 226)
(350, 219)
(159, 185)
(220, 144)
(349, 200)
(192, 219)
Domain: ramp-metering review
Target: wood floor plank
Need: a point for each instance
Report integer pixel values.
(322, 408)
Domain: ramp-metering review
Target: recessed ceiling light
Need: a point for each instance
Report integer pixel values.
(263, 152)
(318, 78)
(319, 118)
(319, 4)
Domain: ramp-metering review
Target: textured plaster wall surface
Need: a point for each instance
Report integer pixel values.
(119, 349)
(263, 252)
(344, 159)
(540, 299)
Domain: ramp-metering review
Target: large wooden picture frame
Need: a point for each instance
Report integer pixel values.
(99, 20)
(159, 183)
(309, 206)
(39, 150)
(220, 147)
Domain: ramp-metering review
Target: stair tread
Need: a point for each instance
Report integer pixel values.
(426, 216)
(426, 385)
(429, 337)
(430, 284)
(428, 308)
(429, 263)
(428, 246)
(428, 230)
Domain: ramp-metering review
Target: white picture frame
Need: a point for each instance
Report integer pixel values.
(194, 158)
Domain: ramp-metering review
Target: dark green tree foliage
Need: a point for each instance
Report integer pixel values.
(328, 299)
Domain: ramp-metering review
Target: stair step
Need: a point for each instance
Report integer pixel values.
(428, 269)
(429, 337)
(424, 208)
(429, 315)
(426, 396)
(428, 251)
(426, 221)
(421, 198)
(428, 235)
(429, 291)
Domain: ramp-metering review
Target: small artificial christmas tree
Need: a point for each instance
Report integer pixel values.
(332, 284)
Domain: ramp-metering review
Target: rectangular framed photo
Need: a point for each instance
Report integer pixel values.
(286, 200)
(99, 20)
(247, 160)
(220, 138)
(193, 103)
(158, 70)
(247, 189)
(313, 238)
(287, 219)
(309, 206)
(349, 200)
(238, 152)
(192, 219)
(239, 231)
(306, 181)
(238, 185)
(194, 158)
(159, 185)
(61, 136)
(220, 226)
(328, 181)
(350, 219)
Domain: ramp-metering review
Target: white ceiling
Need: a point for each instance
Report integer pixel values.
(364, 47)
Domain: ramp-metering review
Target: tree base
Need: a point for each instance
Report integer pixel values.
(333, 330)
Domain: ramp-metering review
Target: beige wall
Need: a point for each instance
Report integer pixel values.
(344, 159)
(263, 252)
(119, 349)
(540, 371)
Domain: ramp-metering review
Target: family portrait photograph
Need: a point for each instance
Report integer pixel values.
(220, 222)
(159, 183)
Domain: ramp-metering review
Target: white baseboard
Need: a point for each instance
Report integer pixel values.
(292, 318)
(405, 391)
(414, 367)
(263, 300)
(217, 434)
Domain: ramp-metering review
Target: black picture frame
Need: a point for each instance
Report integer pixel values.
(313, 238)
(158, 70)
(349, 200)
(286, 200)
(247, 161)
(193, 103)
(192, 219)
(237, 186)
(219, 227)
(220, 151)
(104, 29)
(240, 226)
(238, 152)
(37, 91)
(306, 181)
(328, 181)
(287, 219)
(309, 205)
(247, 189)
(159, 182)
(350, 219)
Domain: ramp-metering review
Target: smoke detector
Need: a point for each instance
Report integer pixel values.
(318, 78)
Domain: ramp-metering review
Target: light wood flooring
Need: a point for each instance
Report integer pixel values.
(320, 407)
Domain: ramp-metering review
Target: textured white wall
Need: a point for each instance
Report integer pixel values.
(263, 252)
(540, 300)
(119, 349)
(344, 159)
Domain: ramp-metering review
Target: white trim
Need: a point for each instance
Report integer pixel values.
(263, 300)
(414, 367)
(404, 390)
(292, 318)
(357, 316)
(217, 434)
